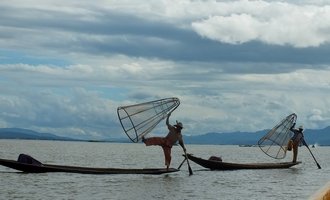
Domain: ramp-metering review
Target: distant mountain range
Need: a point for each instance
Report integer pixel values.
(18, 133)
(312, 136)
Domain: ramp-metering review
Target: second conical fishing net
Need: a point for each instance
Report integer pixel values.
(275, 142)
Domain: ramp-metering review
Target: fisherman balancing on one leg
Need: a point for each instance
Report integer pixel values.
(295, 140)
(167, 142)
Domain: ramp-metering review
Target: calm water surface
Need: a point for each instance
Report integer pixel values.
(299, 182)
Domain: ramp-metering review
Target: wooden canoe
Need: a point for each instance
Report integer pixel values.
(219, 165)
(43, 168)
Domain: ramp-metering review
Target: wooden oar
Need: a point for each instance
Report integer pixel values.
(189, 168)
(304, 142)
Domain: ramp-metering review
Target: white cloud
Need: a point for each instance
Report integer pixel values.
(234, 29)
(273, 23)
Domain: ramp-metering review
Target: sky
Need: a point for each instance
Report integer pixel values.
(65, 66)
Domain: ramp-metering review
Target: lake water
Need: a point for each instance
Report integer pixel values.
(299, 182)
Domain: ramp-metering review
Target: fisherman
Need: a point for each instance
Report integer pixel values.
(295, 140)
(167, 142)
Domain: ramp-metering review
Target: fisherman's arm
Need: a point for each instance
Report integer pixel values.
(182, 144)
(292, 127)
(168, 120)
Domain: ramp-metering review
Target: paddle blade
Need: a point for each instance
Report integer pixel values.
(139, 119)
(190, 171)
(274, 143)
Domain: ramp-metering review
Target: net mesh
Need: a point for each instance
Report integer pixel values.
(274, 143)
(139, 119)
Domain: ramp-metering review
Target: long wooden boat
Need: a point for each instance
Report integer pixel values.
(219, 165)
(37, 167)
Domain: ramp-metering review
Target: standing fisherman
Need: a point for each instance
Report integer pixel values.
(295, 140)
(167, 142)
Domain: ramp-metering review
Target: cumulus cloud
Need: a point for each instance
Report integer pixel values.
(275, 23)
(234, 29)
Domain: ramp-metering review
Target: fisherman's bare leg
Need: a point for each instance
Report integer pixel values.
(289, 147)
(154, 141)
(295, 152)
(167, 154)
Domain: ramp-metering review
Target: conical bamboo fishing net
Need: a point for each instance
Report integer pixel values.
(274, 143)
(139, 119)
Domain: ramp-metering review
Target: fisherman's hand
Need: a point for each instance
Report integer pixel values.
(166, 115)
